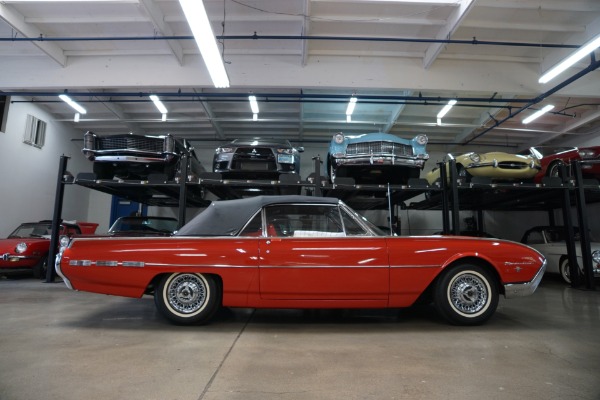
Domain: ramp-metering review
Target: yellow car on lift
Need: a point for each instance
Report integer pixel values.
(496, 165)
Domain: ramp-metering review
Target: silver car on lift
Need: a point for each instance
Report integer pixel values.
(259, 158)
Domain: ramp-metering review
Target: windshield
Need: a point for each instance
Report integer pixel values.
(144, 224)
(32, 231)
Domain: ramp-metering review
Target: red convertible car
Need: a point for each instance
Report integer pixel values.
(26, 248)
(300, 252)
(552, 157)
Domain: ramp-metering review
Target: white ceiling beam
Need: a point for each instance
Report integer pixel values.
(17, 21)
(88, 19)
(305, 32)
(157, 19)
(464, 6)
(545, 5)
(518, 26)
(585, 118)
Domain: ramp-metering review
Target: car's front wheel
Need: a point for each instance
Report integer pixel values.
(565, 270)
(41, 268)
(186, 298)
(466, 294)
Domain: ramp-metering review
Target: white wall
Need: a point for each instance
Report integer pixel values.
(28, 175)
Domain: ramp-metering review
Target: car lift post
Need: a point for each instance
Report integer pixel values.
(568, 226)
(444, 197)
(56, 218)
(454, 192)
(584, 234)
(185, 159)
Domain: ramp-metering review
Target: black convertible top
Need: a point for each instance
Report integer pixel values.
(228, 217)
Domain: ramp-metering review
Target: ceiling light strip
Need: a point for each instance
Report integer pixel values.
(195, 13)
(253, 104)
(73, 104)
(538, 114)
(351, 105)
(159, 105)
(446, 108)
(571, 60)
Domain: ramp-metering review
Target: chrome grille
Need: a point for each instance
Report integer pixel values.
(396, 149)
(512, 165)
(154, 145)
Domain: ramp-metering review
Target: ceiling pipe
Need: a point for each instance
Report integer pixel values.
(473, 41)
(266, 97)
(592, 67)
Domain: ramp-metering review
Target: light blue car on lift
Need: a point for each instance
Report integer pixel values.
(376, 157)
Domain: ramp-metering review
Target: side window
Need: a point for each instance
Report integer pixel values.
(352, 227)
(254, 227)
(304, 220)
(535, 237)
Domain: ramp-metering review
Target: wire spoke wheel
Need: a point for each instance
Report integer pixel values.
(187, 298)
(466, 294)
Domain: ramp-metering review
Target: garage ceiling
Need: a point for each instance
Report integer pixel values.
(304, 59)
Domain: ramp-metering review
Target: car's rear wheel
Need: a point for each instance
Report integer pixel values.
(464, 176)
(554, 170)
(187, 298)
(466, 294)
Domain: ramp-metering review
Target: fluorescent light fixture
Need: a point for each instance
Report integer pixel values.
(351, 106)
(254, 117)
(538, 114)
(159, 105)
(70, 1)
(76, 117)
(348, 118)
(74, 105)
(439, 122)
(446, 108)
(253, 104)
(572, 59)
(195, 13)
(164, 117)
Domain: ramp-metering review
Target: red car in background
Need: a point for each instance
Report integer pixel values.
(27, 247)
(551, 157)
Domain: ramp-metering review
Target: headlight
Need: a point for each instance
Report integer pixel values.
(338, 138)
(224, 150)
(21, 248)
(596, 256)
(63, 241)
(284, 151)
(475, 157)
(421, 139)
(586, 154)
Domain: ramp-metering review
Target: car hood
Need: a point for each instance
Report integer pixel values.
(8, 245)
(497, 155)
(376, 137)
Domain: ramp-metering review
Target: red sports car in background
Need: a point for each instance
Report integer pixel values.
(300, 252)
(27, 247)
(552, 157)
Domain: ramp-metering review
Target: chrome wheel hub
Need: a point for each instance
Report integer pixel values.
(187, 293)
(468, 294)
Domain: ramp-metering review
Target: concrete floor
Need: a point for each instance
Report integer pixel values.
(59, 344)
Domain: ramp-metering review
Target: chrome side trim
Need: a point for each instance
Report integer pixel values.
(512, 290)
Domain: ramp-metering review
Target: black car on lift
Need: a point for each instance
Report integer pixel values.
(129, 156)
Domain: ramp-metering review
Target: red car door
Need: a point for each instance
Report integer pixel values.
(324, 268)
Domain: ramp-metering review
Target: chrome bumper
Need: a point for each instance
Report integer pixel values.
(380, 160)
(512, 290)
(59, 272)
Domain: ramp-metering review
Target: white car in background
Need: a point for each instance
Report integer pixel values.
(550, 241)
